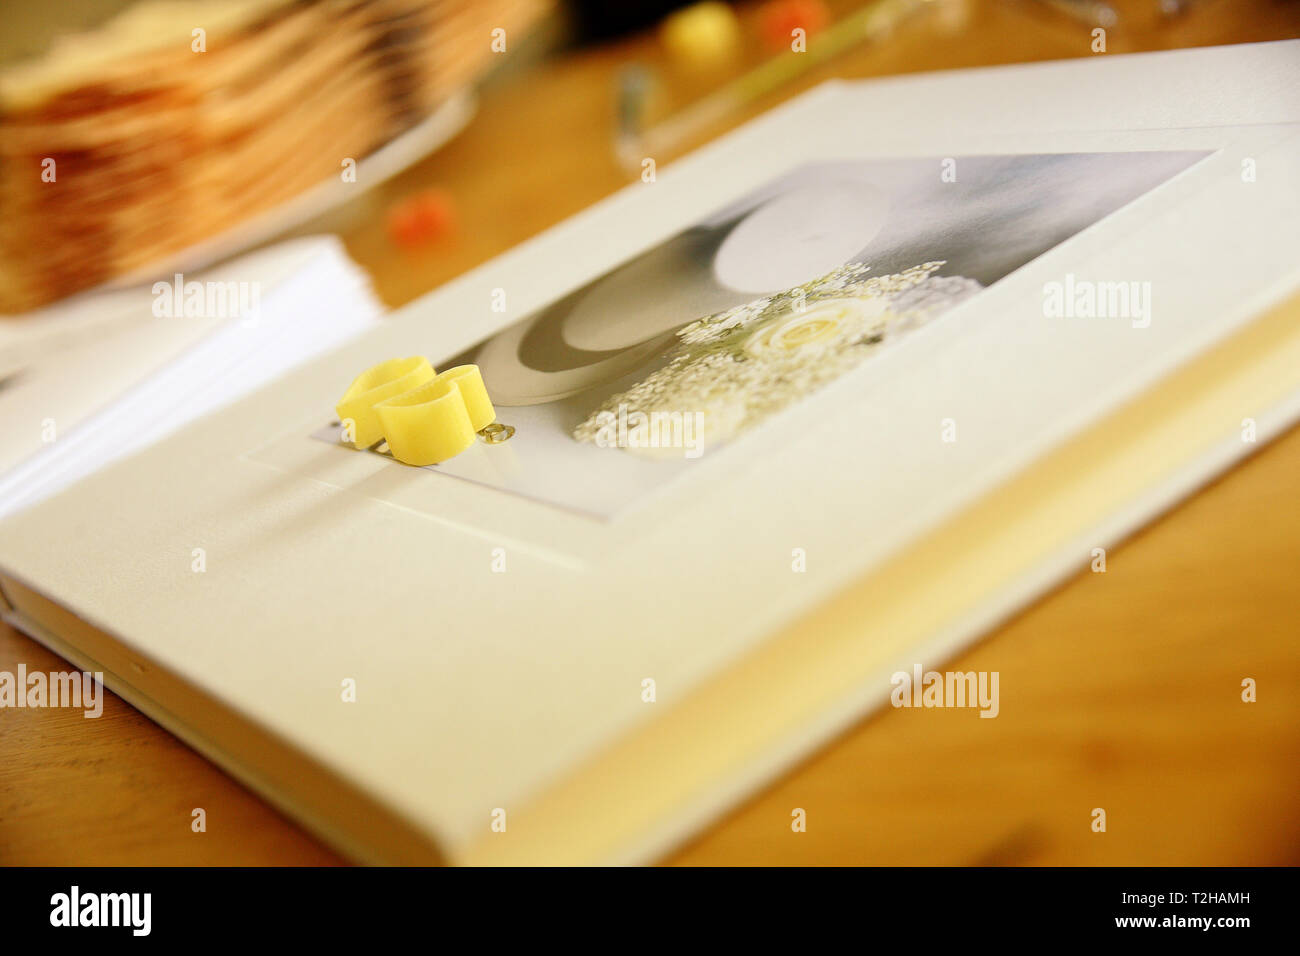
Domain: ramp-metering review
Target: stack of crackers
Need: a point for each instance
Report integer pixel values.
(179, 119)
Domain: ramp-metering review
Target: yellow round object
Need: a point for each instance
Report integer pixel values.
(428, 424)
(702, 33)
(377, 384)
(470, 382)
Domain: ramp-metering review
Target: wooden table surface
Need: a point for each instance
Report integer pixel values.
(1126, 685)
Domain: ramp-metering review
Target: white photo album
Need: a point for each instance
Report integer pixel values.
(785, 371)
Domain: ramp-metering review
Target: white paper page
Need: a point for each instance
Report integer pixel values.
(77, 409)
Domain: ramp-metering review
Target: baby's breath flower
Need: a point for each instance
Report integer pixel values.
(743, 364)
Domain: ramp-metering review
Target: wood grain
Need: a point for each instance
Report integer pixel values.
(1119, 690)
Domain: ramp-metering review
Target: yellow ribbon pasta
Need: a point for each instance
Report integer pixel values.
(378, 384)
(428, 424)
(470, 382)
(425, 418)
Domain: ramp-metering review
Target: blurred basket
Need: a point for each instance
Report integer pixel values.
(175, 122)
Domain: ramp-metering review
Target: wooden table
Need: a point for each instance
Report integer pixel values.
(1126, 685)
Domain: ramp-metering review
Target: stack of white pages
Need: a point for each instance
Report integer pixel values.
(86, 382)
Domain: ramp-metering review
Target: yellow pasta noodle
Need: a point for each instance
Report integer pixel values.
(377, 384)
(428, 424)
(470, 382)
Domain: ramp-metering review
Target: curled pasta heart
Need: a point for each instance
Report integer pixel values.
(433, 418)
(356, 409)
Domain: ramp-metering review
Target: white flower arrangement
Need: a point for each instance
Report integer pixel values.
(745, 363)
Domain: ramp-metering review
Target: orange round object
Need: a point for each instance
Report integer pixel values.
(778, 19)
(421, 218)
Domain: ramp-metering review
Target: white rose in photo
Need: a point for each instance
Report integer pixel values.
(819, 326)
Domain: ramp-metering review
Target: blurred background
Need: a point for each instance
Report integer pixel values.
(475, 125)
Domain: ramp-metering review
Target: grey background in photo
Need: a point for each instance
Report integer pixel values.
(1000, 213)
